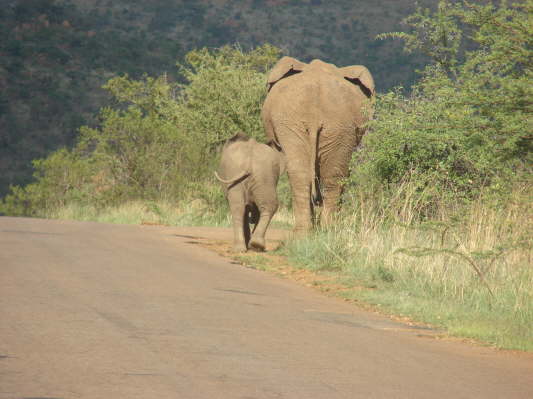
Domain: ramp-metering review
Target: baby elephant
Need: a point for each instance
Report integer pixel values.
(249, 172)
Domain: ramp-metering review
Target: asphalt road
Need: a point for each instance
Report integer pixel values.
(93, 310)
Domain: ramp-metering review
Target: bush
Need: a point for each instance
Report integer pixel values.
(61, 178)
(161, 140)
(224, 93)
(466, 125)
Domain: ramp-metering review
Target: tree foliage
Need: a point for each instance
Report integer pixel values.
(224, 93)
(56, 54)
(160, 140)
(467, 123)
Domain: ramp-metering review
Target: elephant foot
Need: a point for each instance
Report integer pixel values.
(258, 244)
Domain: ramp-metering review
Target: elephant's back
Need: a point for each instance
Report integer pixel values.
(313, 95)
(292, 102)
(234, 159)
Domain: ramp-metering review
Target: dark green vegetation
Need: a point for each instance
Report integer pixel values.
(56, 54)
(466, 125)
(436, 221)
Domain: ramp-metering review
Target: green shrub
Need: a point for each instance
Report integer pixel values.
(61, 178)
(224, 93)
(466, 124)
(160, 142)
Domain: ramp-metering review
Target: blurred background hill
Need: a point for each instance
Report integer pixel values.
(55, 55)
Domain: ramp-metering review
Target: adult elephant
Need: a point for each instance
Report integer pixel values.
(316, 113)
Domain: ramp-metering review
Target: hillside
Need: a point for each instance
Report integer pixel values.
(55, 55)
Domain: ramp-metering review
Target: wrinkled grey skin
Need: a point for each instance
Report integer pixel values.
(316, 113)
(249, 173)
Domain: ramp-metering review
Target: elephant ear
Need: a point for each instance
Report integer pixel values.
(359, 75)
(285, 67)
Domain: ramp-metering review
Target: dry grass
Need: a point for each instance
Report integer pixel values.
(187, 213)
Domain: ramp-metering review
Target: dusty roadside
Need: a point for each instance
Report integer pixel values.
(328, 283)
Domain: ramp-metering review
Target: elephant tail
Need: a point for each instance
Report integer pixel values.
(316, 197)
(233, 180)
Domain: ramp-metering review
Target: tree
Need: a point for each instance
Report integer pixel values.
(467, 123)
(160, 140)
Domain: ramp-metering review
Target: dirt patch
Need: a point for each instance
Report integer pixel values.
(268, 261)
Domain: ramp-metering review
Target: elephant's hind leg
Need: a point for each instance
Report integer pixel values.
(336, 152)
(246, 229)
(241, 229)
(266, 212)
(332, 191)
(300, 181)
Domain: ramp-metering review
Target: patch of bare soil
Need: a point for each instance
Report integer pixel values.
(268, 261)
